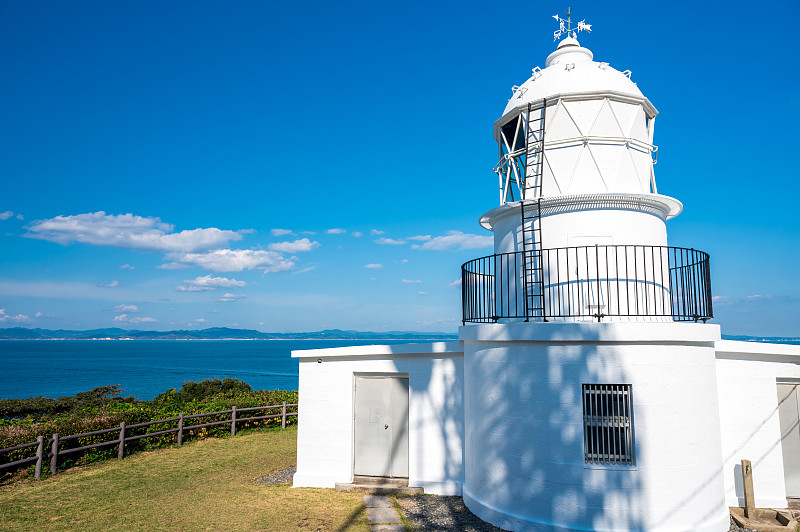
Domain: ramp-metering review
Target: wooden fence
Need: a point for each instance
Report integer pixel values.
(121, 439)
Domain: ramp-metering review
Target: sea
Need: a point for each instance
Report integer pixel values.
(146, 368)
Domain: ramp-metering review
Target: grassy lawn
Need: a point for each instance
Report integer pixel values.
(205, 485)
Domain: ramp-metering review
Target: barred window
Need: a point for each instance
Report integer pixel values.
(607, 424)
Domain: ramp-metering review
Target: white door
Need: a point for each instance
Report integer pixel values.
(381, 427)
(789, 414)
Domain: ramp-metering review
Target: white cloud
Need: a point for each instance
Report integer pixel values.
(126, 308)
(305, 270)
(389, 241)
(68, 290)
(6, 215)
(373, 278)
(112, 284)
(455, 284)
(336, 231)
(200, 320)
(37, 315)
(173, 266)
(740, 301)
(127, 267)
(357, 234)
(422, 238)
(235, 260)
(410, 281)
(123, 318)
(226, 298)
(373, 266)
(208, 282)
(423, 293)
(129, 232)
(297, 246)
(281, 232)
(453, 240)
(309, 233)
(20, 217)
(376, 232)
(19, 318)
(440, 321)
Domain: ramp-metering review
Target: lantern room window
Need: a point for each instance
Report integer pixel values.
(514, 135)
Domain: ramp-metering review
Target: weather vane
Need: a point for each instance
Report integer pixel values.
(565, 26)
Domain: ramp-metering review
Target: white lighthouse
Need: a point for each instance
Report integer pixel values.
(586, 391)
(585, 402)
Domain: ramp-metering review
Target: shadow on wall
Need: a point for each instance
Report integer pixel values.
(441, 393)
(525, 438)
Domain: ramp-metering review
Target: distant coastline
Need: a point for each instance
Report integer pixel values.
(226, 333)
(216, 333)
(765, 339)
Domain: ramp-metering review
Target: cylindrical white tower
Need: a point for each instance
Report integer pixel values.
(586, 406)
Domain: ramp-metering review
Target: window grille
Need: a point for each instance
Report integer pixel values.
(607, 424)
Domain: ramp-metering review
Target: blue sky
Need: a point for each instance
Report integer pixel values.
(298, 166)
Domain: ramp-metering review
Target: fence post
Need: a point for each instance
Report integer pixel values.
(180, 428)
(54, 453)
(283, 416)
(233, 421)
(39, 454)
(121, 450)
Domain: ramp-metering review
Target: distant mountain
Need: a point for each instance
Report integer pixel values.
(215, 333)
(768, 339)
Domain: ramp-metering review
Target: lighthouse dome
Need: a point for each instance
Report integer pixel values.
(571, 69)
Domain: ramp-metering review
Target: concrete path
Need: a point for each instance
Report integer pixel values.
(382, 514)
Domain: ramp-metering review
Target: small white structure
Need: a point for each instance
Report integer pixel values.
(586, 391)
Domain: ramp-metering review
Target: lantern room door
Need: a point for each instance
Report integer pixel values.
(789, 415)
(381, 427)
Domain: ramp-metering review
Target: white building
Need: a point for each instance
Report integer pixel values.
(586, 391)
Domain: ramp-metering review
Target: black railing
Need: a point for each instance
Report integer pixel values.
(589, 282)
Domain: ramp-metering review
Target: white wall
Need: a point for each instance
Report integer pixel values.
(436, 412)
(747, 374)
(524, 439)
(583, 226)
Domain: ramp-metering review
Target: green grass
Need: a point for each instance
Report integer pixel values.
(205, 485)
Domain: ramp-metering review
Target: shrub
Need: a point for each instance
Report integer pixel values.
(102, 408)
(43, 406)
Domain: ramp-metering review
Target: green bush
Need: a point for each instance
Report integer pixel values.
(43, 406)
(22, 420)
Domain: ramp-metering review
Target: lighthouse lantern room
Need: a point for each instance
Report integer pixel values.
(580, 232)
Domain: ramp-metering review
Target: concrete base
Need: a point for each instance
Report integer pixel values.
(380, 486)
(379, 490)
(767, 520)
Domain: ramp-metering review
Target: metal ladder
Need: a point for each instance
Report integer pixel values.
(532, 256)
(531, 215)
(534, 151)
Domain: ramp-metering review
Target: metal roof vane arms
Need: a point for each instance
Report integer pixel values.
(565, 26)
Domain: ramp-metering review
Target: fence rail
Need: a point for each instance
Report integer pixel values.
(588, 283)
(122, 438)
